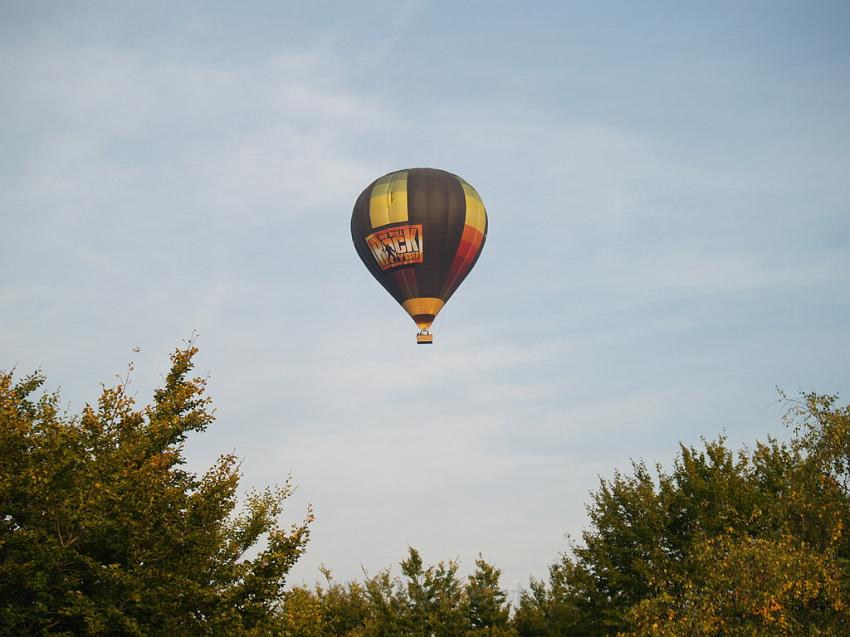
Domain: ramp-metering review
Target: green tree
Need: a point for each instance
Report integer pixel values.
(432, 598)
(345, 608)
(751, 542)
(104, 531)
(425, 601)
(388, 606)
(487, 609)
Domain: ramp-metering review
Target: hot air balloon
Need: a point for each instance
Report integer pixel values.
(419, 232)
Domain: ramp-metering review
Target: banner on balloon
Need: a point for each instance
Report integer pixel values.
(396, 246)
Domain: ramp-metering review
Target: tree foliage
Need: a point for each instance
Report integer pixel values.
(746, 543)
(104, 531)
(425, 601)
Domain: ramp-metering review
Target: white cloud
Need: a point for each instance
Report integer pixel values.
(233, 144)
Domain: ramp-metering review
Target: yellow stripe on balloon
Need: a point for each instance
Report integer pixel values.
(388, 200)
(476, 214)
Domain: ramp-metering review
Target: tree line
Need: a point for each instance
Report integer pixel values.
(103, 531)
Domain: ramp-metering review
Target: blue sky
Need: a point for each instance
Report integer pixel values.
(667, 187)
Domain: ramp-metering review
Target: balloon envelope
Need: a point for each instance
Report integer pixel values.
(419, 232)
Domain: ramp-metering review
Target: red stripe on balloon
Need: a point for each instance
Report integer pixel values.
(470, 245)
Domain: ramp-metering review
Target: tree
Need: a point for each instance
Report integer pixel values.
(345, 607)
(103, 530)
(330, 609)
(301, 614)
(427, 601)
(725, 543)
(748, 586)
(433, 599)
(486, 603)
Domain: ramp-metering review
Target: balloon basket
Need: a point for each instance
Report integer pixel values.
(425, 338)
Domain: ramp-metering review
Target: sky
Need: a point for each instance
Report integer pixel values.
(668, 192)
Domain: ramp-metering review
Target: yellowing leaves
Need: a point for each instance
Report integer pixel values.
(103, 531)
